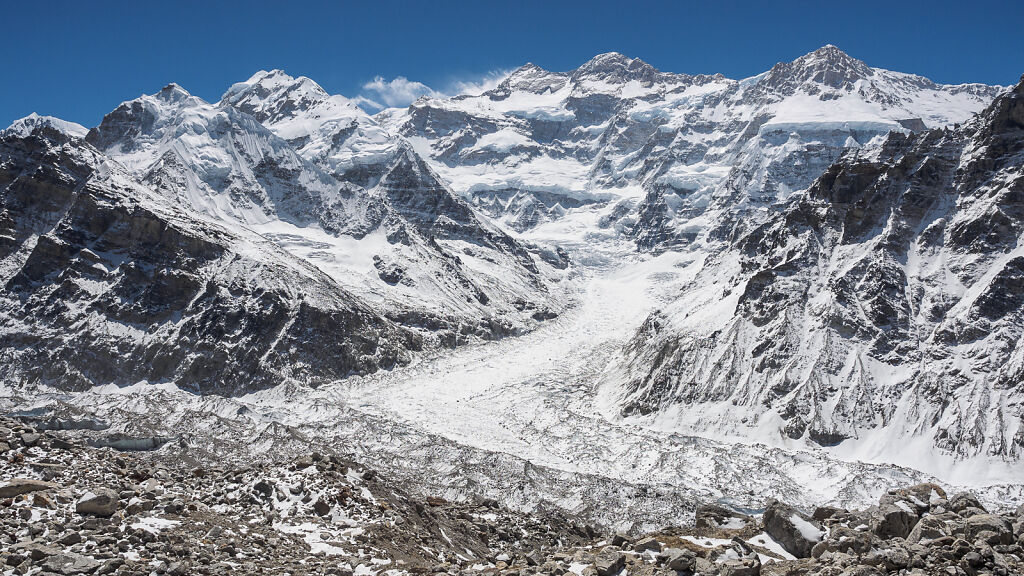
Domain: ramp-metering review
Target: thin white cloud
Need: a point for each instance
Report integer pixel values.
(400, 91)
(487, 82)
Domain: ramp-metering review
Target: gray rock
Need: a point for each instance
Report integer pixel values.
(609, 561)
(17, 486)
(894, 521)
(678, 559)
(534, 558)
(645, 544)
(963, 501)
(929, 528)
(30, 439)
(70, 538)
(794, 530)
(992, 528)
(70, 563)
(98, 502)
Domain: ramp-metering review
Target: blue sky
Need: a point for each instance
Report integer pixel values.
(78, 60)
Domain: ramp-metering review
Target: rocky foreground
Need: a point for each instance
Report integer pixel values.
(69, 508)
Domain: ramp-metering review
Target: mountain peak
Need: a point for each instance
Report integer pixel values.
(29, 124)
(172, 93)
(828, 66)
(615, 67)
(532, 78)
(274, 95)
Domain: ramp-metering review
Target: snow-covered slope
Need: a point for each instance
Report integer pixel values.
(880, 312)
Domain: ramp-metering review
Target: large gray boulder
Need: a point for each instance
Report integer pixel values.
(931, 527)
(98, 502)
(894, 521)
(964, 501)
(609, 562)
(677, 559)
(792, 529)
(992, 528)
(70, 563)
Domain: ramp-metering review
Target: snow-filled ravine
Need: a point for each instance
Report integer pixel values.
(527, 420)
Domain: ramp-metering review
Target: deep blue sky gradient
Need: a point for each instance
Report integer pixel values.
(78, 60)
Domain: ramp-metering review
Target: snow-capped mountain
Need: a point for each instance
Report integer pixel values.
(108, 282)
(881, 307)
(702, 287)
(669, 157)
(394, 233)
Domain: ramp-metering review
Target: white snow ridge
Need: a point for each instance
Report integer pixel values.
(613, 291)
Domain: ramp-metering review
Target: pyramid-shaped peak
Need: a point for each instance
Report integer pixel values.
(277, 81)
(172, 93)
(274, 95)
(616, 67)
(532, 78)
(829, 65)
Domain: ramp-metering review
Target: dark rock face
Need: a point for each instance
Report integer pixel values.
(155, 295)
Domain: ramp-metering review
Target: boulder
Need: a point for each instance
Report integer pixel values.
(964, 501)
(792, 529)
(30, 439)
(825, 512)
(17, 486)
(713, 517)
(677, 559)
(70, 563)
(645, 544)
(322, 507)
(894, 520)
(609, 561)
(929, 528)
(98, 502)
(992, 528)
